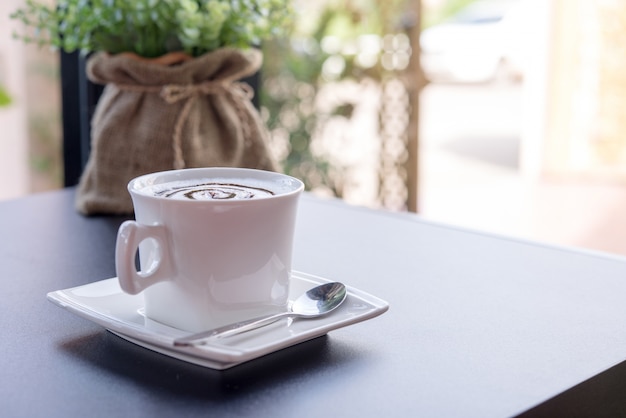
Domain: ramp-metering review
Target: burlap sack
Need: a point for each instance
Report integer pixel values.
(154, 117)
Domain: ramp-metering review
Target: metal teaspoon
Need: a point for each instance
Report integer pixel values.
(315, 302)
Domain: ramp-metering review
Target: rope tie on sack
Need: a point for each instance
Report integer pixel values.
(237, 93)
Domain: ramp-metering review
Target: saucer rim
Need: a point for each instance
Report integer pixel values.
(214, 355)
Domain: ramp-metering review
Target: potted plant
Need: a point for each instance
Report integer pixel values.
(173, 97)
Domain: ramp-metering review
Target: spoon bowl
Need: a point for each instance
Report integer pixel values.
(319, 300)
(313, 303)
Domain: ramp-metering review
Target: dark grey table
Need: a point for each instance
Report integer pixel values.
(478, 325)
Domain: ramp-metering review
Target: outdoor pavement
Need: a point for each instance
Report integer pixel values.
(469, 176)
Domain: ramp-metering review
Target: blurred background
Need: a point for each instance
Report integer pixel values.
(507, 116)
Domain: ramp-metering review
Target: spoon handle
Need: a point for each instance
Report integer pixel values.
(200, 338)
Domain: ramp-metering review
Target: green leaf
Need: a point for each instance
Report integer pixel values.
(153, 27)
(5, 99)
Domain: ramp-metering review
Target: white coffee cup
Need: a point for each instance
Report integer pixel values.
(213, 259)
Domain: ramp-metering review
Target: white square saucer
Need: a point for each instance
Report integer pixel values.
(106, 304)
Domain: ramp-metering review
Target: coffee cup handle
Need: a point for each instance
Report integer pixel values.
(129, 236)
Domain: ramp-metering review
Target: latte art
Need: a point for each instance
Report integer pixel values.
(210, 190)
(216, 191)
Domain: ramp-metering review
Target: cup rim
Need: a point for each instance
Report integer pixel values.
(187, 173)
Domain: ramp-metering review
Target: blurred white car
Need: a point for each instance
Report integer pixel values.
(481, 43)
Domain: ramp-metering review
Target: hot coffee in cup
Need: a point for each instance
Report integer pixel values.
(214, 244)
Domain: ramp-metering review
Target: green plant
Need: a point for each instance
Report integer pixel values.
(151, 28)
(290, 85)
(5, 99)
(442, 11)
(293, 76)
